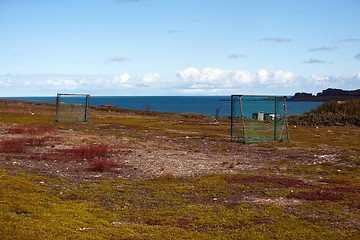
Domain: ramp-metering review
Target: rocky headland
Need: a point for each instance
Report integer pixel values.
(330, 94)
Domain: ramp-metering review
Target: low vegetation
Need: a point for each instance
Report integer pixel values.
(20, 145)
(331, 114)
(78, 153)
(29, 129)
(350, 107)
(104, 179)
(104, 164)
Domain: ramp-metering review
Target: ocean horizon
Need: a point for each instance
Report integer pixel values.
(178, 104)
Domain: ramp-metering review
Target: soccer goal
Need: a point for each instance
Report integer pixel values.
(256, 118)
(72, 107)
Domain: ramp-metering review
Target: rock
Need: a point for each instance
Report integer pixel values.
(330, 94)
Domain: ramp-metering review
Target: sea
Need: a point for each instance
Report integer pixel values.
(180, 104)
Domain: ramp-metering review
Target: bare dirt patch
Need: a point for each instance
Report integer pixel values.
(146, 145)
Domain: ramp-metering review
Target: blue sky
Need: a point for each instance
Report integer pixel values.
(187, 47)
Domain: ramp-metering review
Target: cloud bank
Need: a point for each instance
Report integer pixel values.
(189, 81)
(215, 78)
(217, 81)
(346, 82)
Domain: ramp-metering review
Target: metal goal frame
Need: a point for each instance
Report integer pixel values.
(259, 118)
(72, 107)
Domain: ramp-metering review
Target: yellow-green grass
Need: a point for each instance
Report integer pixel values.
(208, 207)
(286, 199)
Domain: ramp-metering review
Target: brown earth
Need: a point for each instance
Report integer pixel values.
(147, 145)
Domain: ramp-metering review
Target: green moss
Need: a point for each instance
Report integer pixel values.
(162, 207)
(274, 202)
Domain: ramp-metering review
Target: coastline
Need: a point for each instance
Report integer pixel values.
(330, 94)
(185, 104)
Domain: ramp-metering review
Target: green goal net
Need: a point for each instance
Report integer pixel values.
(256, 118)
(72, 107)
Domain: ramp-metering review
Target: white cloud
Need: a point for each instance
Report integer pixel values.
(282, 78)
(206, 78)
(206, 81)
(218, 78)
(6, 83)
(337, 81)
(151, 77)
(193, 91)
(92, 83)
(123, 78)
(122, 81)
(319, 81)
(213, 74)
(219, 81)
(189, 74)
(263, 76)
(242, 77)
(61, 84)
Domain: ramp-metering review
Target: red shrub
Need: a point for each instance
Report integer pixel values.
(101, 165)
(335, 181)
(12, 146)
(318, 195)
(53, 156)
(34, 141)
(267, 180)
(29, 129)
(77, 153)
(18, 145)
(89, 151)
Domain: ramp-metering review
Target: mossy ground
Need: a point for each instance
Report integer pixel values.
(306, 189)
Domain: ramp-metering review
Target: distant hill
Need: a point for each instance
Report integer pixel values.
(330, 94)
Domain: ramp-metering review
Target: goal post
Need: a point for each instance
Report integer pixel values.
(72, 107)
(258, 118)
